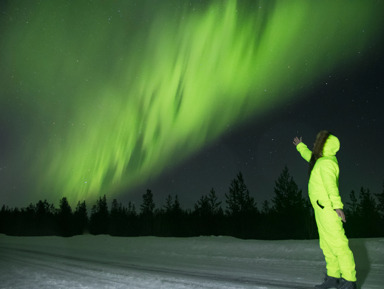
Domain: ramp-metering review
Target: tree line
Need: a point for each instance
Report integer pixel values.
(288, 215)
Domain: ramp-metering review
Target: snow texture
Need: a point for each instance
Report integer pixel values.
(183, 263)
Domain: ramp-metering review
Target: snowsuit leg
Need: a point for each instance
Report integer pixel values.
(334, 243)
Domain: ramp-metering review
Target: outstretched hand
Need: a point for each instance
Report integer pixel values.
(297, 140)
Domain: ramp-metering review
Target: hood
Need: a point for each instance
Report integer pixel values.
(331, 146)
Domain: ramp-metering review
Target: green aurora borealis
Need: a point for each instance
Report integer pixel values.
(110, 93)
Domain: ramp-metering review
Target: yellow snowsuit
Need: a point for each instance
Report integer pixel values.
(323, 190)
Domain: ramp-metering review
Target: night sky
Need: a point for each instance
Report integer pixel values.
(116, 97)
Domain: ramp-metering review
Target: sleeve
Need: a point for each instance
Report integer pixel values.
(304, 151)
(329, 177)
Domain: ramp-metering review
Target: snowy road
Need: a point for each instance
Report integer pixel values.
(148, 262)
(47, 270)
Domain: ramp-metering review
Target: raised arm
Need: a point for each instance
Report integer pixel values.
(297, 140)
(302, 148)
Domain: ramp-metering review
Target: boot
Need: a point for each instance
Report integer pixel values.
(329, 282)
(344, 284)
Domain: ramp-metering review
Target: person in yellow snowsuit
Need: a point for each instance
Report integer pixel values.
(323, 191)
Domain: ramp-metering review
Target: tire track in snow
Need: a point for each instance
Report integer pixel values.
(119, 274)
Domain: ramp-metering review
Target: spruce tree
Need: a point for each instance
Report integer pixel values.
(239, 201)
(208, 214)
(80, 217)
(117, 219)
(132, 225)
(368, 214)
(242, 212)
(352, 226)
(291, 214)
(65, 219)
(170, 218)
(147, 214)
(45, 219)
(208, 205)
(99, 221)
(148, 205)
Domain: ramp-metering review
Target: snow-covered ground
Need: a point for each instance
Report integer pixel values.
(150, 262)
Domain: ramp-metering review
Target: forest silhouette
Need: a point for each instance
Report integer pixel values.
(288, 215)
